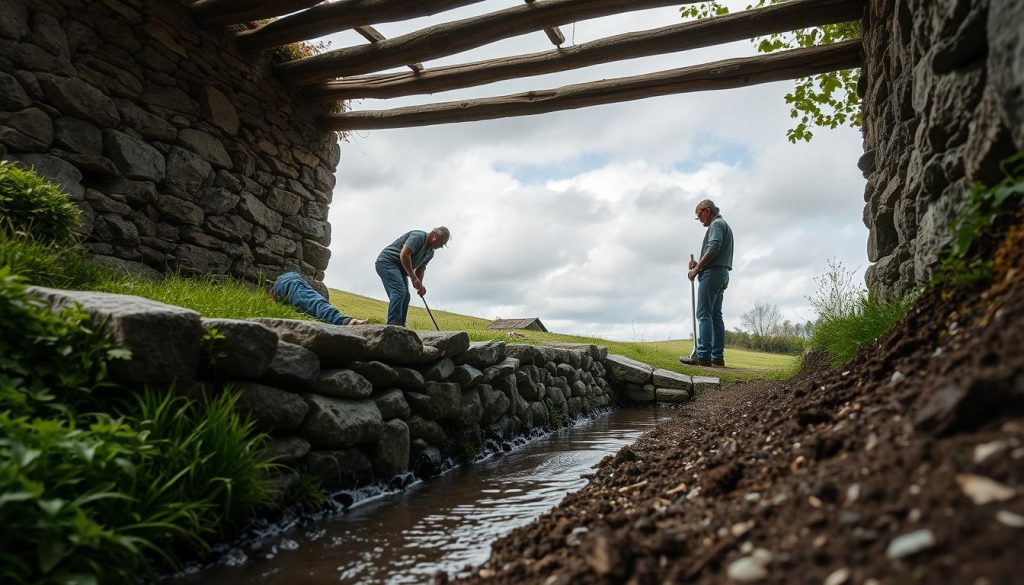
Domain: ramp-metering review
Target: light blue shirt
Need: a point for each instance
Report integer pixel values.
(718, 244)
(417, 242)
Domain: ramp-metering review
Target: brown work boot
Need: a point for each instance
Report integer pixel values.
(694, 361)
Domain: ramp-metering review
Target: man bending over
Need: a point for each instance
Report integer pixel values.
(405, 258)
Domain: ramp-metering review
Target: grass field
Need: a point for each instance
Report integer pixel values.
(743, 364)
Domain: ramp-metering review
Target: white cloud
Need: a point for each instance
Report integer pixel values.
(600, 247)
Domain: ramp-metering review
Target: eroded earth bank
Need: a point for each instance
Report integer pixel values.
(905, 465)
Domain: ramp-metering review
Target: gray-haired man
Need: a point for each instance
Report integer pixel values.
(407, 257)
(712, 271)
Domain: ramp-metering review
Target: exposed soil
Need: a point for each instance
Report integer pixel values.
(815, 480)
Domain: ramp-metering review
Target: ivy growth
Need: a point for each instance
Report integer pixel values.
(827, 100)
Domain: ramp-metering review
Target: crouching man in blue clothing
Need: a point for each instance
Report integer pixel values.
(291, 288)
(407, 257)
(712, 272)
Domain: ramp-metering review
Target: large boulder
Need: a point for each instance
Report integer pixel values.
(240, 349)
(439, 371)
(391, 344)
(494, 403)
(428, 430)
(668, 379)
(438, 400)
(335, 344)
(471, 410)
(392, 404)
(449, 343)
(525, 353)
(409, 379)
(379, 374)
(391, 454)
(269, 408)
(343, 384)
(164, 339)
(672, 395)
(482, 354)
(703, 384)
(624, 369)
(293, 367)
(334, 423)
(466, 376)
(286, 450)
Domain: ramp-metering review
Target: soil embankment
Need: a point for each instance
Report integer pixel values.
(906, 465)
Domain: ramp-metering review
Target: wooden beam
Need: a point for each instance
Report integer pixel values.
(455, 37)
(218, 13)
(554, 35)
(711, 76)
(373, 35)
(679, 37)
(341, 15)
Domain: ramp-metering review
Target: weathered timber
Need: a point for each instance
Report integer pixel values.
(680, 37)
(374, 36)
(725, 74)
(217, 13)
(455, 37)
(342, 15)
(554, 35)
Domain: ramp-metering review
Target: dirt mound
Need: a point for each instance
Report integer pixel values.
(905, 465)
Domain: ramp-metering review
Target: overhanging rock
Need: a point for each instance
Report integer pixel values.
(624, 369)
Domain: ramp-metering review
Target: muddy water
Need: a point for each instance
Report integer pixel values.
(445, 524)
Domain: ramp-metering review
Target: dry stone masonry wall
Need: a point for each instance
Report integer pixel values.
(943, 103)
(181, 151)
(370, 403)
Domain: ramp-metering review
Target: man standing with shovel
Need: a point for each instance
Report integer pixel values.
(712, 274)
(407, 258)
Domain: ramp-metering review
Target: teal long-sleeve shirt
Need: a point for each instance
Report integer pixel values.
(718, 244)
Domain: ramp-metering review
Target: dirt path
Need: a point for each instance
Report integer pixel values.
(905, 466)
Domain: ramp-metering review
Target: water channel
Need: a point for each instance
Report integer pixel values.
(445, 524)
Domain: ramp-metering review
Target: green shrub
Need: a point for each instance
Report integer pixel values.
(33, 206)
(49, 264)
(841, 336)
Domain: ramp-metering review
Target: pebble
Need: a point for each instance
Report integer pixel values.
(896, 378)
(986, 450)
(852, 493)
(838, 577)
(751, 568)
(1010, 519)
(982, 490)
(910, 543)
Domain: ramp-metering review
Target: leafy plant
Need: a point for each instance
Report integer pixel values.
(554, 416)
(34, 207)
(48, 263)
(827, 100)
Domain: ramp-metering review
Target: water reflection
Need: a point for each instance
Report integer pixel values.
(441, 525)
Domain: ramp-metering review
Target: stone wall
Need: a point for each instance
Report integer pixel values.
(182, 151)
(943, 103)
(369, 403)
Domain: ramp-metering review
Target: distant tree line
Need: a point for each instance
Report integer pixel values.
(764, 329)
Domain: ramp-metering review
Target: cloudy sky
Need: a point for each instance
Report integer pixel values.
(584, 218)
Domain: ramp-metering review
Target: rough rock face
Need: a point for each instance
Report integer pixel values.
(184, 151)
(943, 104)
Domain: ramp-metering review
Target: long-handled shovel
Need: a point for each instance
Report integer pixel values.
(693, 309)
(432, 315)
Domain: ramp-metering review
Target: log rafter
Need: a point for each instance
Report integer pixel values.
(725, 74)
(217, 13)
(374, 36)
(455, 37)
(689, 35)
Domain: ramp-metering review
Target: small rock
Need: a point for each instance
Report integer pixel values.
(896, 378)
(750, 569)
(986, 450)
(838, 577)
(982, 490)
(852, 493)
(1010, 519)
(910, 544)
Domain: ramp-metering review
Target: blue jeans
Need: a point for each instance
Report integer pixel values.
(710, 324)
(396, 284)
(292, 289)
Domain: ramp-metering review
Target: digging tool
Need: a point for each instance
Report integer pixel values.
(430, 313)
(693, 309)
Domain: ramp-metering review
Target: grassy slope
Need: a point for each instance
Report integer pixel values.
(743, 364)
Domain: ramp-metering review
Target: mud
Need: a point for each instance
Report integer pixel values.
(905, 465)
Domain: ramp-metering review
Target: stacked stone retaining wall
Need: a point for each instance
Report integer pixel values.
(943, 103)
(365, 404)
(182, 151)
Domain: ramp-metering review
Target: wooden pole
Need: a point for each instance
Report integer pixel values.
(345, 14)
(455, 37)
(374, 36)
(217, 13)
(725, 74)
(679, 37)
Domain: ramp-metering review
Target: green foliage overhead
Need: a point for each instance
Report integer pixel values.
(828, 100)
(35, 207)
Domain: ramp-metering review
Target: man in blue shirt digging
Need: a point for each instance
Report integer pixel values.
(712, 272)
(407, 257)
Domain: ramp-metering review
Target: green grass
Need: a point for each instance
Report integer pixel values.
(743, 364)
(842, 335)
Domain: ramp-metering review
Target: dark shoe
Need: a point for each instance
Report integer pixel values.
(692, 361)
(718, 363)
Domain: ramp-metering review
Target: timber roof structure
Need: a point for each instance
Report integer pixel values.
(358, 71)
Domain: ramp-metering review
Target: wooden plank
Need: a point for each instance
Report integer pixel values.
(373, 35)
(455, 37)
(678, 37)
(218, 13)
(554, 35)
(341, 15)
(725, 74)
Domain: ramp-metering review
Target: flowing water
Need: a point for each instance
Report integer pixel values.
(445, 524)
